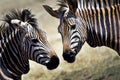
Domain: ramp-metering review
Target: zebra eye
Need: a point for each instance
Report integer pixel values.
(35, 40)
(73, 27)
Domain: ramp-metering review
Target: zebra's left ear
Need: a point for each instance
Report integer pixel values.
(52, 12)
(21, 25)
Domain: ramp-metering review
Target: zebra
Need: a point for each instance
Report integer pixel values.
(22, 40)
(96, 22)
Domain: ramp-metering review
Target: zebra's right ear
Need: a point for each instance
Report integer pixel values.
(52, 12)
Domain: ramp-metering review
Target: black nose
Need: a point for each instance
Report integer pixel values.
(69, 56)
(53, 63)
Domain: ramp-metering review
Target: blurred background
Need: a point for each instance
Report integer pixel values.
(99, 63)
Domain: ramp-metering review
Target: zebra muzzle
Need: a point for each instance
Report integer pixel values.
(53, 63)
(69, 56)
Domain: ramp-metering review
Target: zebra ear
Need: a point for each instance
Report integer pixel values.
(52, 12)
(21, 25)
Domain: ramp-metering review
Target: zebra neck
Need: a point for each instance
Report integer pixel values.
(103, 27)
(13, 59)
(95, 39)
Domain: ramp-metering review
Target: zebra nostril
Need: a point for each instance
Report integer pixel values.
(69, 56)
(53, 63)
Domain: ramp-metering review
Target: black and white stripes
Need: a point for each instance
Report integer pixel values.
(100, 18)
(104, 22)
(21, 40)
(13, 61)
(95, 21)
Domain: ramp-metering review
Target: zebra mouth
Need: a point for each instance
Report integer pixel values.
(69, 56)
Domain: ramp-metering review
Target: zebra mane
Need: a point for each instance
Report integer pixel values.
(97, 3)
(87, 4)
(24, 15)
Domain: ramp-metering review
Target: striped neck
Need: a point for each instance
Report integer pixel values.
(13, 61)
(102, 26)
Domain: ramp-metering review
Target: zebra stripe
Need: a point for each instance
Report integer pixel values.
(21, 41)
(96, 21)
(99, 19)
(11, 49)
(105, 22)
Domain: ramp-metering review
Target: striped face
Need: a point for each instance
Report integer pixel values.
(39, 50)
(73, 34)
(36, 46)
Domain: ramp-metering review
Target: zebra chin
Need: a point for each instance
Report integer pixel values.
(52, 63)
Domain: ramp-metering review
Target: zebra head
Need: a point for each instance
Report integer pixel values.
(73, 34)
(72, 30)
(35, 44)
